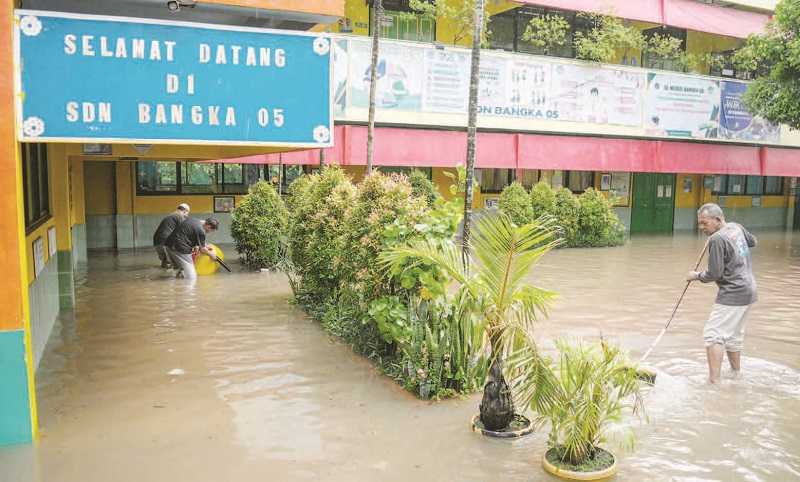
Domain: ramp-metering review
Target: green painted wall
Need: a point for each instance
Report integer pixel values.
(15, 417)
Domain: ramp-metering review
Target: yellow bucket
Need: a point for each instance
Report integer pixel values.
(205, 265)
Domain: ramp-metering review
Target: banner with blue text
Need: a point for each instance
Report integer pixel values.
(89, 78)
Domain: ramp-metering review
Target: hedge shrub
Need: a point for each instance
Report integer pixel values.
(259, 225)
(516, 203)
(317, 223)
(543, 200)
(422, 187)
(587, 220)
(566, 210)
(380, 201)
(598, 224)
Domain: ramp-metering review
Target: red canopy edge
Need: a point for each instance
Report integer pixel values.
(395, 146)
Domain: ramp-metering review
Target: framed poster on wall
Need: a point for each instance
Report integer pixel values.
(38, 256)
(224, 204)
(621, 188)
(605, 182)
(51, 241)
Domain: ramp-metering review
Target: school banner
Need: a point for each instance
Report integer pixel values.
(681, 106)
(597, 95)
(518, 87)
(341, 66)
(399, 76)
(446, 81)
(91, 78)
(736, 122)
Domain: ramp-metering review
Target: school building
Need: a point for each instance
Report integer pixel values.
(98, 160)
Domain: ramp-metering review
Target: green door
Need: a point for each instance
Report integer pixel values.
(653, 203)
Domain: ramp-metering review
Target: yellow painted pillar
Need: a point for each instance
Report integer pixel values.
(18, 422)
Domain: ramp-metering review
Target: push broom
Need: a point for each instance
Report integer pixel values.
(648, 375)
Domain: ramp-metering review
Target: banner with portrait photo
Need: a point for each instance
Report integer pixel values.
(597, 95)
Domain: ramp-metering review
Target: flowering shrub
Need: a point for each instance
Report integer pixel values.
(380, 201)
(317, 228)
(258, 226)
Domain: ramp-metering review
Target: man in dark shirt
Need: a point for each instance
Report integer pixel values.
(730, 267)
(189, 237)
(165, 228)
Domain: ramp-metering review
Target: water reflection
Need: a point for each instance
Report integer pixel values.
(266, 395)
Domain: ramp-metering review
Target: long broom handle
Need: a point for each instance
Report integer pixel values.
(675, 310)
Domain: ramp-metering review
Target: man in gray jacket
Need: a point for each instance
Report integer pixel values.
(730, 267)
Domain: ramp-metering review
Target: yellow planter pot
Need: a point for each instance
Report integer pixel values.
(478, 427)
(573, 475)
(205, 265)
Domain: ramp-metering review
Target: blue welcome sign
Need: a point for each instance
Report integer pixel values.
(90, 78)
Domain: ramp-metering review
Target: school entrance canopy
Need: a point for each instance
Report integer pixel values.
(437, 148)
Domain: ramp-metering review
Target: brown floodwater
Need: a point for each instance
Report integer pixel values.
(156, 380)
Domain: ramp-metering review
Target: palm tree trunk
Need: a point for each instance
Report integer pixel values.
(377, 19)
(497, 404)
(472, 125)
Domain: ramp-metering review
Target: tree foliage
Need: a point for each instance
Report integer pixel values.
(460, 15)
(608, 36)
(546, 32)
(775, 56)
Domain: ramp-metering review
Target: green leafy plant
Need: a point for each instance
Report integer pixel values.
(258, 225)
(422, 187)
(444, 353)
(543, 200)
(457, 14)
(316, 230)
(546, 32)
(494, 288)
(566, 210)
(581, 397)
(380, 201)
(297, 190)
(598, 224)
(775, 57)
(608, 37)
(516, 203)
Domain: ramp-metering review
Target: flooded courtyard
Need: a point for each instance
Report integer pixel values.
(155, 380)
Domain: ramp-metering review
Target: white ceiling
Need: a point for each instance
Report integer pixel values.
(202, 13)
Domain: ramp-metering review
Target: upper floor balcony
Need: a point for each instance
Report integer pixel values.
(424, 84)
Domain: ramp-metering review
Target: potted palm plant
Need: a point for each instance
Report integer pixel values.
(495, 288)
(581, 397)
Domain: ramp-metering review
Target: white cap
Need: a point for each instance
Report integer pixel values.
(184, 207)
